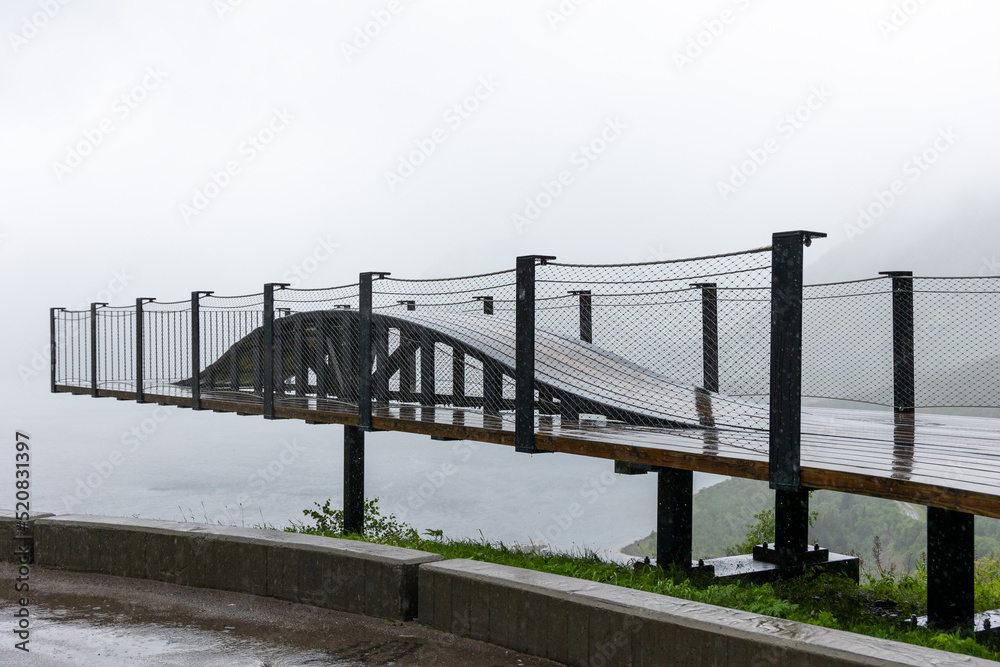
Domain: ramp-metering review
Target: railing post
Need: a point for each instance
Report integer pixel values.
(298, 353)
(709, 335)
(354, 479)
(93, 347)
(524, 403)
(586, 315)
(487, 304)
(674, 495)
(267, 347)
(903, 392)
(428, 384)
(140, 350)
(196, 348)
(366, 336)
(53, 351)
(791, 500)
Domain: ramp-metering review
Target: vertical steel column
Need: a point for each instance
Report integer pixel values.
(903, 392)
(93, 347)
(53, 352)
(196, 348)
(951, 568)
(140, 350)
(366, 336)
(428, 384)
(709, 336)
(458, 377)
(586, 315)
(791, 501)
(267, 347)
(674, 492)
(354, 479)
(524, 396)
(492, 387)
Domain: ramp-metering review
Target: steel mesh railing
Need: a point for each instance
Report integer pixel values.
(166, 346)
(230, 352)
(71, 329)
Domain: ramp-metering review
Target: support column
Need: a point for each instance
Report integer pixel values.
(428, 384)
(791, 510)
(524, 403)
(196, 348)
(354, 479)
(903, 390)
(675, 489)
(950, 569)
(709, 336)
(458, 377)
(492, 387)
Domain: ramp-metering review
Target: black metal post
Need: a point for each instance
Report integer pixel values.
(53, 352)
(492, 387)
(196, 348)
(458, 377)
(709, 336)
(410, 305)
(675, 489)
(791, 501)
(365, 340)
(354, 479)
(586, 315)
(487, 304)
(140, 349)
(267, 347)
(950, 569)
(299, 355)
(93, 347)
(428, 385)
(524, 394)
(903, 391)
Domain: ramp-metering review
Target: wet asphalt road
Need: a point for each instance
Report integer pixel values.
(81, 619)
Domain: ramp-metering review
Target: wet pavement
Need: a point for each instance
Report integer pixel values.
(82, 619)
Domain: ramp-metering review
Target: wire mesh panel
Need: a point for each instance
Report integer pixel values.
(116, 333)
(656, 344)
(167, 347)
(231, 356)
(72, 338)
(446, 342)
(317, 347)
(956, 342)
(847, 341)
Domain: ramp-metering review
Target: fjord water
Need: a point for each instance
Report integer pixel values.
(101, 456)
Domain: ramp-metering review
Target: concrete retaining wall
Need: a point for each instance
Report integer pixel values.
(598, 625)
(371, 579)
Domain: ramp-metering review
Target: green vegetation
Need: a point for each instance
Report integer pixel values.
(842, 522)
(878, 608)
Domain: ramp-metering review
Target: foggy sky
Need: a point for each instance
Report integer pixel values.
(314, 113)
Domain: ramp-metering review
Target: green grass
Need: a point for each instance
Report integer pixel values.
(830, 601)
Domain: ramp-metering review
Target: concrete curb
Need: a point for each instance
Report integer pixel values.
(581, 623)
(371, 579)
(12, 536)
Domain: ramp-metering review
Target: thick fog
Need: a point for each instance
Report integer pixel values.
(152, 149)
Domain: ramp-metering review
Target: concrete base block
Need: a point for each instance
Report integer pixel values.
(17, 537)
(346, 575)
(578, 622)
